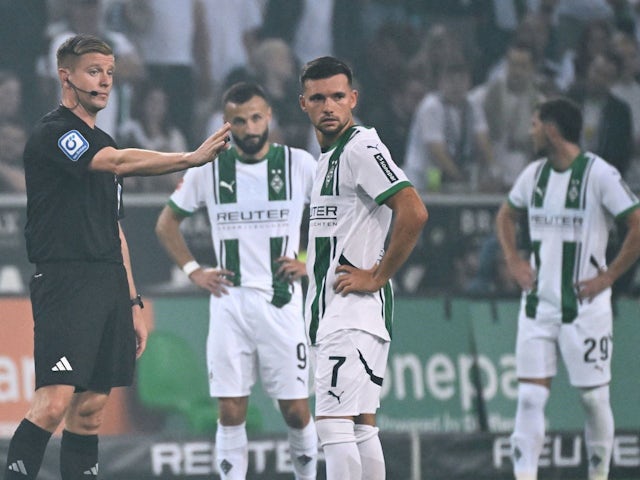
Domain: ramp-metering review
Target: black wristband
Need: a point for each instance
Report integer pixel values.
(137, 301)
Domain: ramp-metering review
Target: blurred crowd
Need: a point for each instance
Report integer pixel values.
(449, 84)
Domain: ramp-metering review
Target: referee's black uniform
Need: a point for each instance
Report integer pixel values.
(80, 296)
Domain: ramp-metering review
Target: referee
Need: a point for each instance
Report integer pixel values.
(88, 328)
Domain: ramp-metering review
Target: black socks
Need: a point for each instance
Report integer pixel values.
(26, 451)
(78, 456)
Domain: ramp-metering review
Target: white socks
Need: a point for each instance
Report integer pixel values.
(341, 454)
(528, 433)
(303, 444)
(371, 455)
(598, 430)
(232, 451)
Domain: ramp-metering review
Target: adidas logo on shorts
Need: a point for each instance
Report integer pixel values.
(63, 365)
(18, 467)
(93, 471)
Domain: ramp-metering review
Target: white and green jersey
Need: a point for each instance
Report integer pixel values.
(348, 225)
(570, 214)
(255, 211)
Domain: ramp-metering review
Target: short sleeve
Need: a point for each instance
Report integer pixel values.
(374, 170)
(617, 197)
(189, 195)
(520, 193)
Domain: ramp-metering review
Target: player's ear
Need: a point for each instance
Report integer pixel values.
(302, 102)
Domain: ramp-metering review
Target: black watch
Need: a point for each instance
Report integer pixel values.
(137, 301)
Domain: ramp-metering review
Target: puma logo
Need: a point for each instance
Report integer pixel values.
(374, 147)
(228, 186)
(337, 397)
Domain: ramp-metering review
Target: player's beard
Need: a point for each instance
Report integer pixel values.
(542, 149)
(330, 131)
(251, 144)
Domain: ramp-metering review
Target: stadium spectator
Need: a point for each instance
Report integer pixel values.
(439, 46)
(174, 45)
(11, 106)
(508, 103)
(567, 196)
(23, 40)
(607, 129)
(275, 68)
(13, 138)
(255, 326)
(85, 16)
(393, 112)
(595, 38)
(150, 127)
(386, 57)
(232, 28)
(448, 147)
(627, 89)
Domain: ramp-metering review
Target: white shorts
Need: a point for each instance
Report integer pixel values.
(248, 335)
(349, 368)
(586, 345)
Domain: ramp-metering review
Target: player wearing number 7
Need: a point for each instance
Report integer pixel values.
(349, 305)
(569, 197)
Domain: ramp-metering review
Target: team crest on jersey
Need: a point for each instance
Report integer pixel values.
(276, 180)
(574, 189)
(73, 144)
(333, 163)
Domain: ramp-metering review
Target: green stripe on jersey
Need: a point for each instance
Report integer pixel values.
(532, 300)
(227, 188)
(330, 184)
(277, 173)
(320, 268)
(281, 289)
(577, 183)
(231, 257)
(387, 304)
(540, 189)
(568, 298)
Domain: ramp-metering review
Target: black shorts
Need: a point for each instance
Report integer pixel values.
(83, 326)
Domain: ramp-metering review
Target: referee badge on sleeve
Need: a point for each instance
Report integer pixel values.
(73, 144)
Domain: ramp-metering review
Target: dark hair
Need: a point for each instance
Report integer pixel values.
(79, 45)
(325, 67)
(612, 58)
(242, 92)
(565, 115)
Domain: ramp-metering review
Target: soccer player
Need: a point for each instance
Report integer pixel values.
(88, 326)
(568, 196)
(356, 192)
(255, 196)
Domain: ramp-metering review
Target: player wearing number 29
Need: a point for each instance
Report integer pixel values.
(570, 197)
(255, 195)
(356, 192)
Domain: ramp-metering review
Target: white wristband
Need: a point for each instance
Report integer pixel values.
(190, 267)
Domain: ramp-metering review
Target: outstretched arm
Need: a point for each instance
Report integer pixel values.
(134, 161)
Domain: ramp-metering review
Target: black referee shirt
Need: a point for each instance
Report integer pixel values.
(72, 212)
